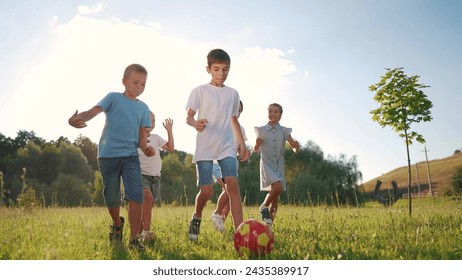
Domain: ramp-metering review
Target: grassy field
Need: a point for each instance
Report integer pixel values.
(373, 232)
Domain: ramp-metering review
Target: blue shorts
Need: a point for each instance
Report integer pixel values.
(216, 172)
(204, 169)
(127, 168)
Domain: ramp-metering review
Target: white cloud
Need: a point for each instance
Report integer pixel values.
(88, 59)
(155, 25)
(86, 10)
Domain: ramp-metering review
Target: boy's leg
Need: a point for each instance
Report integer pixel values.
(117, 224)
(151, 197)
(131, 175)
(223, 198)
(110, 172)
(225, 211)
(229, 169)
(134, 218)
(234, 200)
(115, 215)
(148, 202)
(202, 197)
(223, 204)
(204, 176)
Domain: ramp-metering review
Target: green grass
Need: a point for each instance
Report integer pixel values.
(373, 232)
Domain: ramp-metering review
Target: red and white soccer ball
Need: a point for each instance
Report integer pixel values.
(253, 238)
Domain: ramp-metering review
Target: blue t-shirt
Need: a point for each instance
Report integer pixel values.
(124, 118)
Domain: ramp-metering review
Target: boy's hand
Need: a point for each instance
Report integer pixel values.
(200, 125)
(244, 153)
(150, 151)
(168, 124)
(76, 121)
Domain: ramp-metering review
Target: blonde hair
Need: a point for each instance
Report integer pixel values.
(134, 68)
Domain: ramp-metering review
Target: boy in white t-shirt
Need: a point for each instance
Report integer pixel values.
(217, 108)
(150, 169)
(221, 211)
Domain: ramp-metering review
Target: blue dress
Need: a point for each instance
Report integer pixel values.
(272, 154)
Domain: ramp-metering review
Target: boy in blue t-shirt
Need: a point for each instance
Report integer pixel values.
(124, 131)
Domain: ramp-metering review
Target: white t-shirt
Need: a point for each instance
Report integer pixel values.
(217, 105)
(152, 166)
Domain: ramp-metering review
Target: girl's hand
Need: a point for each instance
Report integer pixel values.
(296, 146)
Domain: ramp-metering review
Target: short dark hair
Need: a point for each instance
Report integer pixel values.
(218, 55)
(135, 68)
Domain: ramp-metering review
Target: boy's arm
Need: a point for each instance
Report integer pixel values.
(293, 144)
(199, 125)
(78, 120)
(143, 143)
(242, 149)
(169, 146)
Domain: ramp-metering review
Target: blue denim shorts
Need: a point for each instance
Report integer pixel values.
(204, 169)
(216, 172)
(127, 168)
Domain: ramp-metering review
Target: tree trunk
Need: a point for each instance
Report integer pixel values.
(409, 174)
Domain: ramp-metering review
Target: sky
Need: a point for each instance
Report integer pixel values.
(315, 58)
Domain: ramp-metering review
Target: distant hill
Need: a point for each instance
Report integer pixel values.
(441, 173)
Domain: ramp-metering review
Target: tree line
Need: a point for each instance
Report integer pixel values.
(64, 173)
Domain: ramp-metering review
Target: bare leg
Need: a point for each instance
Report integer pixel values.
(271, 199)
(202, 197)
(134, 217)
(225, 211)
(115, 215)
(235, 202)
(276, 190)
(273, 207)
(148, 203)
(223, 204)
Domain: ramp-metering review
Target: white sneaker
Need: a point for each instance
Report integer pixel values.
(217, 221)
(148, 236)
(265, 215)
